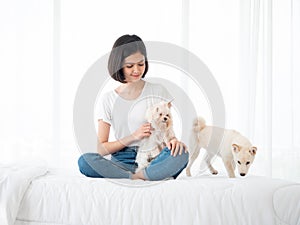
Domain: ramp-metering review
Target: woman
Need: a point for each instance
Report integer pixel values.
(124, 109)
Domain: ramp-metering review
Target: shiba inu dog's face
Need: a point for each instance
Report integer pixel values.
(243, 157)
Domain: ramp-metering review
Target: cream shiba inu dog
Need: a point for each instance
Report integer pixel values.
(234, 149)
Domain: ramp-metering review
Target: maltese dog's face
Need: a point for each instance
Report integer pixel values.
(160, 116)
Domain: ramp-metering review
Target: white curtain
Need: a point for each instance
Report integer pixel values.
(269, 83)
(255, 78)
(251, 47)
(26, 80)
(286, 89)
(46, 48)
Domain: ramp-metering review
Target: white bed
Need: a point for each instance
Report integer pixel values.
(39, 196)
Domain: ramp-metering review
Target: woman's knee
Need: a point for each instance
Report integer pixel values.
(81, 161)
(182, 158)
(182, 162)
(84, 163)
(166, 165)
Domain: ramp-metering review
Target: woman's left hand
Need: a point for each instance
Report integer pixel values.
(176, 147)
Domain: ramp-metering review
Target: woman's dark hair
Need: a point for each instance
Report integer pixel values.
(125, 46)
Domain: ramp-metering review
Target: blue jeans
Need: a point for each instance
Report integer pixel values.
(122, 165)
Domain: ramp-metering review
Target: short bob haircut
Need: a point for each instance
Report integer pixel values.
(125, 46)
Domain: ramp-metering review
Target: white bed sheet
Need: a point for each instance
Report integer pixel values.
(14, 181)
(64, 198)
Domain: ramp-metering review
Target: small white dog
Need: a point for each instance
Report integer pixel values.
(235, 149)
(159, 115)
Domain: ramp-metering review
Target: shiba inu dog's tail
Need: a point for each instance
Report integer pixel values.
(199, 124)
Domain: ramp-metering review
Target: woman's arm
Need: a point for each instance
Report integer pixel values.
(105, 147)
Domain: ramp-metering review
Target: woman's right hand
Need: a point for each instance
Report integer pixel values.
(143, 131)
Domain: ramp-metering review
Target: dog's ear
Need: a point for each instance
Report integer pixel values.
(253, 150)
(235, 148)
(169, 104)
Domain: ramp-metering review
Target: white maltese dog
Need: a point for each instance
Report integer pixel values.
(159, 115)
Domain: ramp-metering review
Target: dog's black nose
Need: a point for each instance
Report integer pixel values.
(242, 174)
(165, 118)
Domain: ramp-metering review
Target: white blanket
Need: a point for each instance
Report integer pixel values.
(61, 198)
(31, 196)
(14, 181)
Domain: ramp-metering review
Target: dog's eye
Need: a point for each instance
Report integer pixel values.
(247, 163)
(167, 115)
(160, 114)
(239, 162)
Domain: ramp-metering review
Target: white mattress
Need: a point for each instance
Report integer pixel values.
(63, 198)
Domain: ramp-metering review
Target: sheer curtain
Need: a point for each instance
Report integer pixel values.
(269, 83)
(251, 47)
(46, 48)
(286, 84)
(26, 80)
(255, 78)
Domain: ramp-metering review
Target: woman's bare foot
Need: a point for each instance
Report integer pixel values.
(138, 175)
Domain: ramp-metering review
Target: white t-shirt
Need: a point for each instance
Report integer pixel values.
(126, 116)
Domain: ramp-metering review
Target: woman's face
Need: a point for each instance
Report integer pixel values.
(134, 67)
